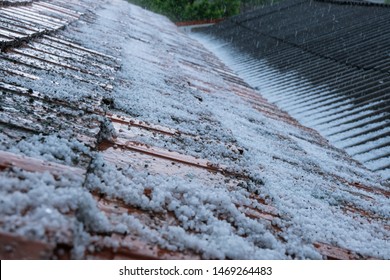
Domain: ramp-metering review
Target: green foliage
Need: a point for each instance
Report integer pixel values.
(185, 10)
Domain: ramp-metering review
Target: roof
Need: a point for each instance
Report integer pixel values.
(122, 137)
(326, 63)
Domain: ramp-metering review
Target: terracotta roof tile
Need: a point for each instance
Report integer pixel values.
(156, 150)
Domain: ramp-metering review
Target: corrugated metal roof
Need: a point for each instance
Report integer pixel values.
(325, 62)
(165, 154)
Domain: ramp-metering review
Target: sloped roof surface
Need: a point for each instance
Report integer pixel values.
(327, 63)
(121, 137)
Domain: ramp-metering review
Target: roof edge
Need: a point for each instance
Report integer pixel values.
(353, 2)
(15, 4)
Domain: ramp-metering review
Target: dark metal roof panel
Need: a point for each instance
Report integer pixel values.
(326, 60)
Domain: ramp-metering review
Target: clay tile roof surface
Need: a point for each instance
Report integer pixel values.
(121, 137)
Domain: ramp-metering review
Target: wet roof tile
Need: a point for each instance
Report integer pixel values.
(86, 175)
